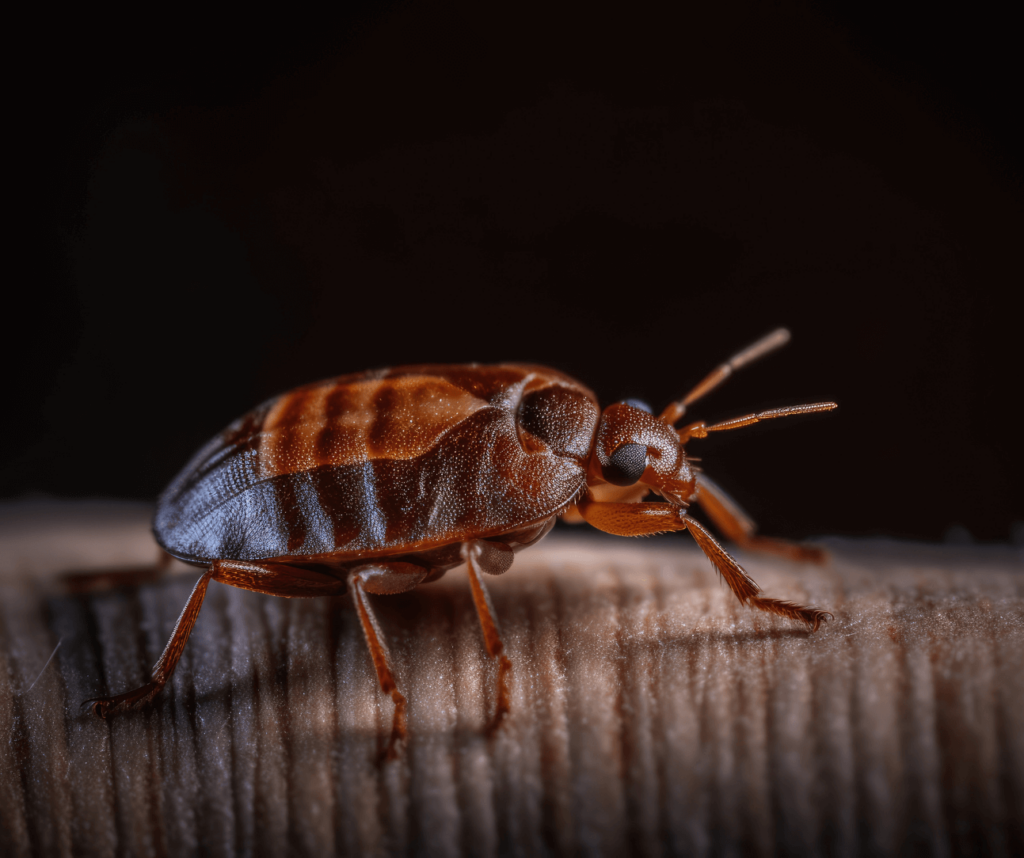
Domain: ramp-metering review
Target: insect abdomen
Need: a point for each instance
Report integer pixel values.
(364, 465)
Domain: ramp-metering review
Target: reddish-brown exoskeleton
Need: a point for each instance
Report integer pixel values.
(378, 482)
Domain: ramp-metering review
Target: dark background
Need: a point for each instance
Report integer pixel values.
(220, 209)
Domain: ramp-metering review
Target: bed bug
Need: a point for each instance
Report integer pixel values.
(377, 482)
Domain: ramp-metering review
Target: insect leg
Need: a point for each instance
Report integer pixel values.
(745, 588)
(632, 519)
(737, 526)
(640, 519)
(384, 579)
(493, 558)
(607, 492)
(275, 579)
(162, 670)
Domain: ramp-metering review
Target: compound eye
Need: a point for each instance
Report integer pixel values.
(637, 403)
(627, 465)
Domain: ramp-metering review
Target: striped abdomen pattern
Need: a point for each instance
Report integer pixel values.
(382, 463)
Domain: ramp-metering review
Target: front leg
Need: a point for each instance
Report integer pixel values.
(642, 519)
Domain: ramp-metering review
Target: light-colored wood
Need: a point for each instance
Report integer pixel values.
(651, 714)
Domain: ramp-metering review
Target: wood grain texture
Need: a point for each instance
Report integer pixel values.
(651, 714)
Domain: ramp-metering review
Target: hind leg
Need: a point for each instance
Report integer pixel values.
(274, 579)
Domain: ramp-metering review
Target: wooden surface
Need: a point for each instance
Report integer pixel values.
(651, 714)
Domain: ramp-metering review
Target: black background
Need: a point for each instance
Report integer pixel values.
(219, 209)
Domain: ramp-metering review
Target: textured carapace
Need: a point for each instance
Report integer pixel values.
(382, 462)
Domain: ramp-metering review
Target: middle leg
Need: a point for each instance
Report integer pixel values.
(494, 558)
(384, 579)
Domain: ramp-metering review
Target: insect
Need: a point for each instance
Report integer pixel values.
(377, 482)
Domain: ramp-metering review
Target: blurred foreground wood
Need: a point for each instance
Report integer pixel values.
(651, 714)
